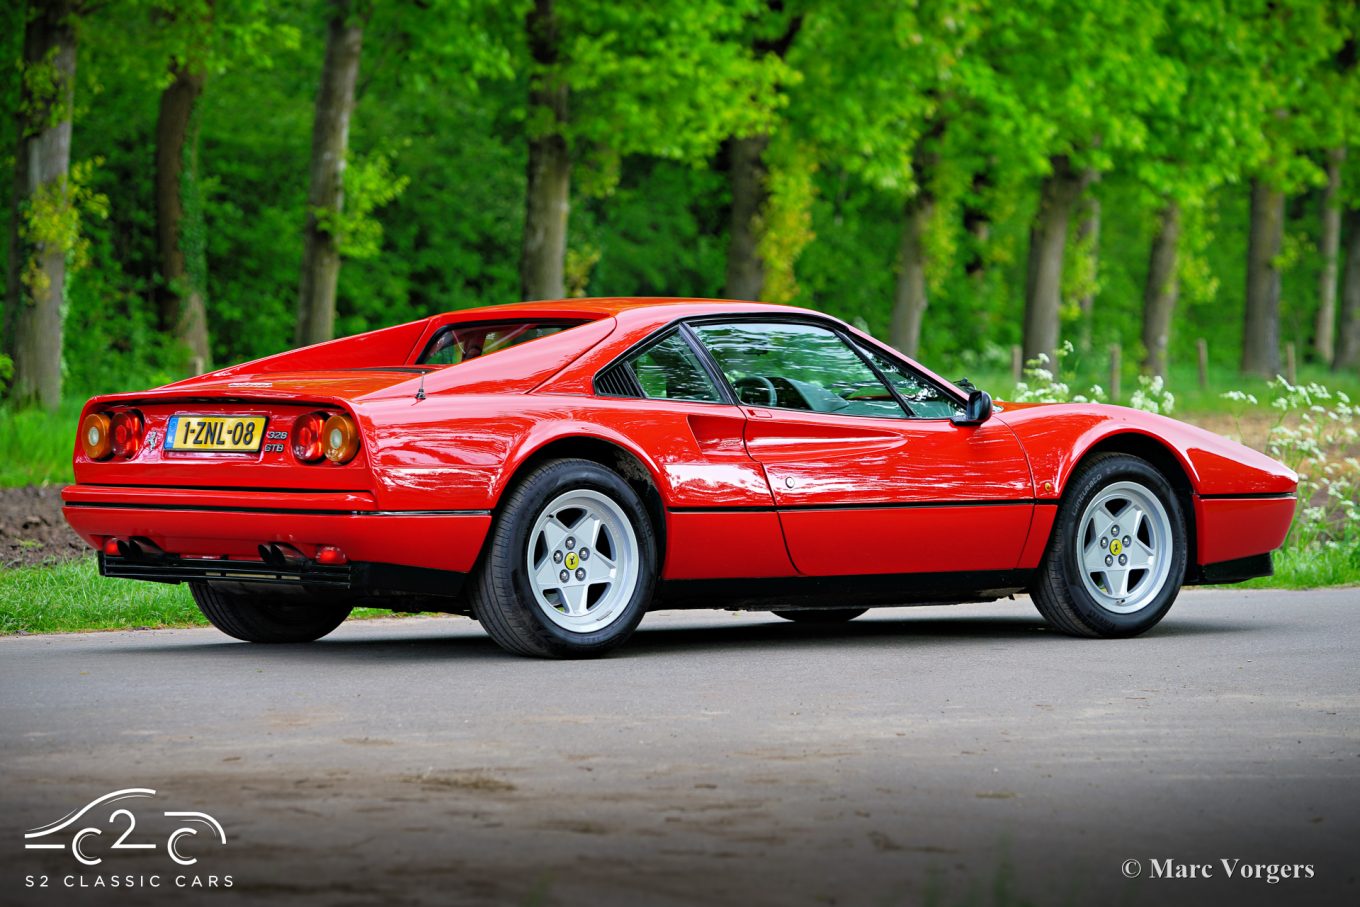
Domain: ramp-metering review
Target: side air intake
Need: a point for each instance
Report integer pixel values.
(618, 381)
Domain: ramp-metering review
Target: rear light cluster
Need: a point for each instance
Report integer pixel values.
(118, 434)
(323, 435)
(316, 436)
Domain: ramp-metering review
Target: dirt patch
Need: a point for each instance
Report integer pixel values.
(32, 530)
(469, 780)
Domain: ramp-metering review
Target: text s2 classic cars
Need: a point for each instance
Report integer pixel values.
(556, 469)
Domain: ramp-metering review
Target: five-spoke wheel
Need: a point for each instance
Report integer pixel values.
(1117, 555)
(1125, 534)
(583, 558)
(570, 563)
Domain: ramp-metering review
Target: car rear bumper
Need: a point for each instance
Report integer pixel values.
(309, 575)
(184, 523)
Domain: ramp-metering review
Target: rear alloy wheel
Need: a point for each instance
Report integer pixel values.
(821, 615)
(269, 616)
(1117, 557)
(570, 564)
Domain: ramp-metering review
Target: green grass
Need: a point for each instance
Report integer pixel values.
(1182, 381)
(36, 446)
(1312, 569)
(71, 596)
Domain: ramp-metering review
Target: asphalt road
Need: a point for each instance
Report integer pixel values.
(922, 755)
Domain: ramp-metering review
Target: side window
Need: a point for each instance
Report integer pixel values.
(667, 370)
(925, 399)
(797, 366)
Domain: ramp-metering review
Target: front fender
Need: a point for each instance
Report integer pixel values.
(1057, 437)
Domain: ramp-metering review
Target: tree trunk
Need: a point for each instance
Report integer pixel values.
(326, 198)
(547, 200)
(1088, 240)
(909, 301)
(1261, 325)
(1328, 244)
(1047, 243)
(36, 286)
(180, 229)
(1348, 333)
(750, 193)
(749, 180)
(1161, 291)
(977, 221)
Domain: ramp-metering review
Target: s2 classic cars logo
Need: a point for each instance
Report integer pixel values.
(85, 830)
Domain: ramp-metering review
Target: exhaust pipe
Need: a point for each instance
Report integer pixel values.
(143, 547)
(277, 554)
(134, 549)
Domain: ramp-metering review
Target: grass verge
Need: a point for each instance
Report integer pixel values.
(36, 446)
(71, 596)
(1311, 568)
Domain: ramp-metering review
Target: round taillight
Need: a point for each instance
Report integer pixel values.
(127, 430)
(95, 437)
(307, 444)
(341, 439)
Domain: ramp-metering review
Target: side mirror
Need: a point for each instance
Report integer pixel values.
(977, 410)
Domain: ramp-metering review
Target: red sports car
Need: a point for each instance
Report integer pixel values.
(556, 469)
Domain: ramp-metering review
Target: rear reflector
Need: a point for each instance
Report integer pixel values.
(331, 556)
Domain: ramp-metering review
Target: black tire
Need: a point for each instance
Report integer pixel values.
(821, 615)
(266, 617)
(500, 588)
(1060, 593)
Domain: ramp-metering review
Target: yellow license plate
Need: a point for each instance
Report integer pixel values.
(216, 433)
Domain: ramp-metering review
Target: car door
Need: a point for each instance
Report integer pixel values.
(866, 479)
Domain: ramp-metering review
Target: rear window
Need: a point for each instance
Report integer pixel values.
(461, 342)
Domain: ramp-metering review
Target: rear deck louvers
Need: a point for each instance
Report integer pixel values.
(618, 381)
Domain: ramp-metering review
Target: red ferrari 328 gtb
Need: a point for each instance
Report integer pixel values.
(556, 469)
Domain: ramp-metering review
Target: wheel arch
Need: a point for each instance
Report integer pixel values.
(1165, 460)
(609, 453)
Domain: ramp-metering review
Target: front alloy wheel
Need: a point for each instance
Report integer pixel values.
(1126, 545)
(1117, 556)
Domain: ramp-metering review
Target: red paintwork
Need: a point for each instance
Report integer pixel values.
(1230, 528)
(1041, 524)
(748, 491)
(443, 541)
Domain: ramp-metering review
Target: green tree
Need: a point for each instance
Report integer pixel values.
(608, 80)
(44, 220)
(889, 94)
(330, 146)
(1068, 90)
(1200, 140)
(773, 33)
(1293, 43)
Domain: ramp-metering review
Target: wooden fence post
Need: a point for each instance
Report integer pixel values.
(1291, 363)
(1114, 372)
(1017, 365)
(1203, 348)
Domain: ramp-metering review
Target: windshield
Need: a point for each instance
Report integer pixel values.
(461, 342)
